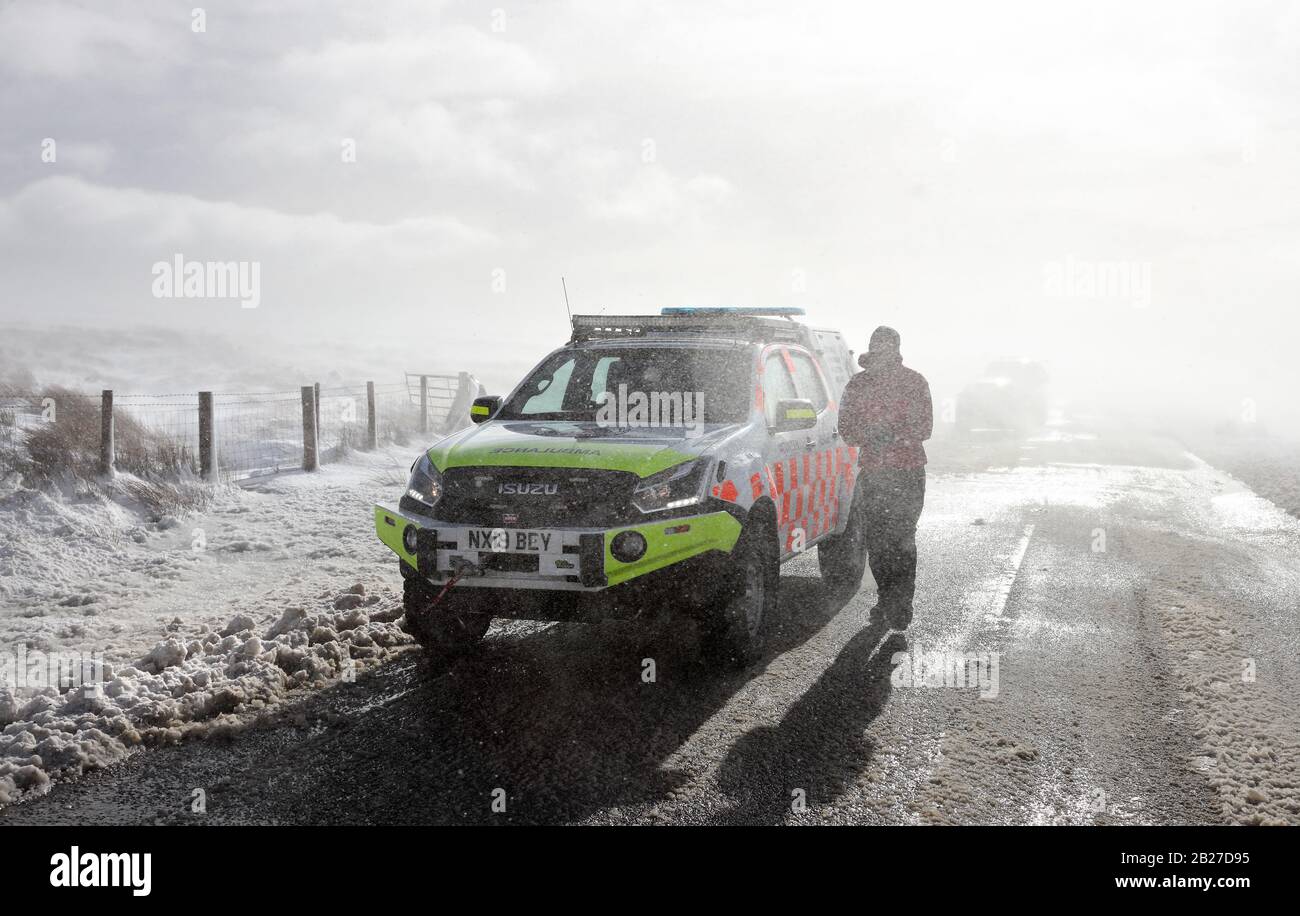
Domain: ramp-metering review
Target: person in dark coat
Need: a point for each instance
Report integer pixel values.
(887, 413)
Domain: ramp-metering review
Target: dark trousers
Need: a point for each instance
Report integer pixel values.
(892, 504)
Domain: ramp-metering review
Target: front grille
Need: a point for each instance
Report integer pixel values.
(536, 497)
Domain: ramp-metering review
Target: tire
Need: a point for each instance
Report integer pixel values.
(453, 627)
(736, 627)
(842, 558)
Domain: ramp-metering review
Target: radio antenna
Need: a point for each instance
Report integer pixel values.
(565, 287)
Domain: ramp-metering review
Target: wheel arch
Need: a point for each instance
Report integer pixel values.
(762, 517)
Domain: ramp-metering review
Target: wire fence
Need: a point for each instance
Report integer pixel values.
(257, 434)
(18, 416)
(252, 434)
(156, 433)
(398, 413)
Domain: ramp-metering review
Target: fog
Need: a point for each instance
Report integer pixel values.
(1108, 187)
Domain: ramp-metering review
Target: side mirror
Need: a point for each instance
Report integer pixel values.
(794, 413)
(483, 408)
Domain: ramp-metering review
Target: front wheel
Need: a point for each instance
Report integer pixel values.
(737, 626)
(451, 627)
(842, 558)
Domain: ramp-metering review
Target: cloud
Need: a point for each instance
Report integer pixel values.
(444, 101)
(429, 138)
(450, 62)
(63, 207)
(78, 251)
(92, 157)
(653, 196)
(68, 41)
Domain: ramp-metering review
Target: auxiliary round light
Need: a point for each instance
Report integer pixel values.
(628, 546)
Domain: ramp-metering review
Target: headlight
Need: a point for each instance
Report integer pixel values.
(675, 488)
(425, 485)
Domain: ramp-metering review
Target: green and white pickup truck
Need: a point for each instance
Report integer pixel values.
(665, 463)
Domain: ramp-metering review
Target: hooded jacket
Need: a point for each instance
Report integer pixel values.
(887, 413)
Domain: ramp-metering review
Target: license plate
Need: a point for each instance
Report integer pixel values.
(511, 540)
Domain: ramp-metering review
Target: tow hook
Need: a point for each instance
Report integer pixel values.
(463, 567)
(460, 567)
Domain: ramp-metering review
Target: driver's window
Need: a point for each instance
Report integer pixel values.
(777, 385)
(809, 382)
(550, 391)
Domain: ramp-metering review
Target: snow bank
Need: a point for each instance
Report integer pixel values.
(1225, 603)
(190, 686)
(1246, 726)
(91, 568)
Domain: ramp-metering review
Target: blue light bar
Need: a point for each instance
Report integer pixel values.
(774, 311)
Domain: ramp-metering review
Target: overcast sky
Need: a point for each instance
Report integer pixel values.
(931, 166)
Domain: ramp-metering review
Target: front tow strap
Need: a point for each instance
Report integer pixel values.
(461, 567)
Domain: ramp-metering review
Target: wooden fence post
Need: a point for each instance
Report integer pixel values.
(309, 459)
(424, 404)
(316, 394)
(207, 456)
(107, 459)
(371, 441)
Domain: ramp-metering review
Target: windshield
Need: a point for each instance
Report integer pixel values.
(625, 386)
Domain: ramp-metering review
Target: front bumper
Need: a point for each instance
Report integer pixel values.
(571, 559)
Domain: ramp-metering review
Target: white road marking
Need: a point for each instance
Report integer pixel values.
(1002, 588)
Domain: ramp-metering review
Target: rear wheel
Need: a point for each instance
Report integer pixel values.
(453, 626)
(842, 558)
(737, 625)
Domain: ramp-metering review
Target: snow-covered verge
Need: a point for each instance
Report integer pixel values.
(1246, 726)
(191, 685)
(204, 619)
(1225, 600)
(1268, 465)
(93, 569)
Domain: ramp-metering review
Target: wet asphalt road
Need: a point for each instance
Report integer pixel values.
(1091, 721)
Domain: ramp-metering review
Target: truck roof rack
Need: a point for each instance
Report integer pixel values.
(785, 311)
(744, 323)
